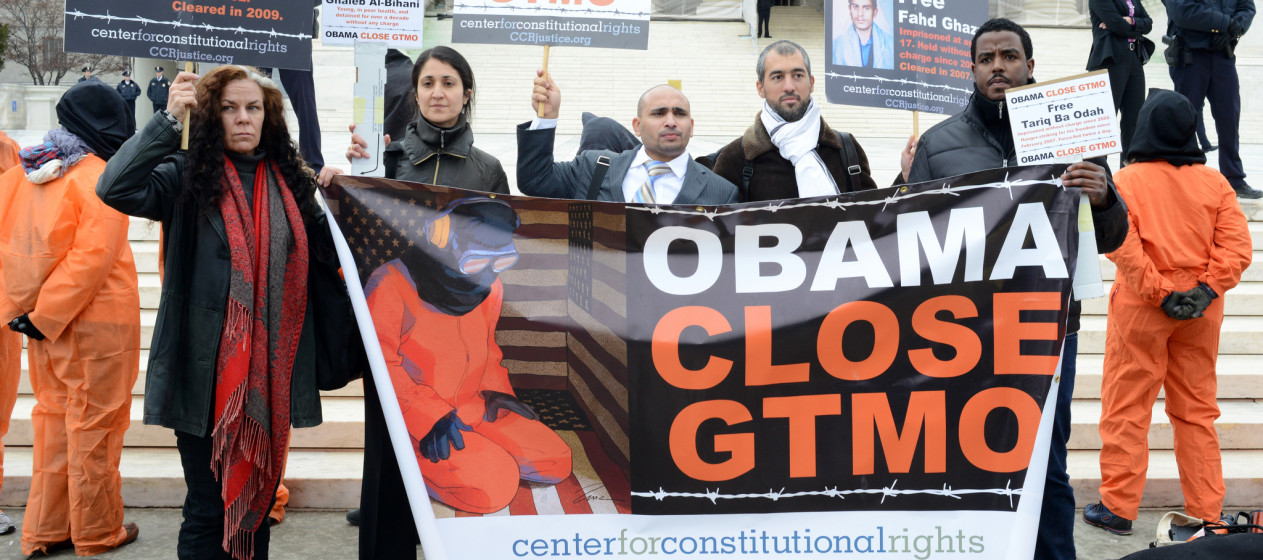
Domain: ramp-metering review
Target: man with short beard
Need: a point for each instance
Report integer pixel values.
(790, 152)
(977, 138)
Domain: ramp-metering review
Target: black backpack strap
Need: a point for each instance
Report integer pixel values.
(598, 176)
(851, 159)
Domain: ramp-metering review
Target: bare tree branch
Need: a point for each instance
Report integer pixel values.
(35, 42)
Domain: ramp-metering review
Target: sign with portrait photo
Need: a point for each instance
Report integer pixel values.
(901, 54)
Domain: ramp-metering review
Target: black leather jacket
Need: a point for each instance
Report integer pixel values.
(447, 157)
(965, 143)
(145, 179)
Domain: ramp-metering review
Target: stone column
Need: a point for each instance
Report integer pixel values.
(41, 106)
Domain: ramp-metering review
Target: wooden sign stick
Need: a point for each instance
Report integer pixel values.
(184, 135)
(916, 123)
(540, 112)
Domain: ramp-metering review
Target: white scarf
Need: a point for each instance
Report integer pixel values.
(797, 143)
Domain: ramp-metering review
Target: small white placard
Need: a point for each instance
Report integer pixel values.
(369, 105)
(1065, 120)
(397, 23)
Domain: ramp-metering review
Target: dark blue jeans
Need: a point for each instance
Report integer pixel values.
(202, 532)
(1056, 518)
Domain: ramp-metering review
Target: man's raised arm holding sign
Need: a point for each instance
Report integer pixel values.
(660, 171)
(980, 138)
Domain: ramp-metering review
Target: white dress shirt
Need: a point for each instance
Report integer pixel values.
(665, 189)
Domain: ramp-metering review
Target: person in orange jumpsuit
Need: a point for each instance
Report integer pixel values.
(1187, 245)
(10, 345)
(69, 284)
(435, 311)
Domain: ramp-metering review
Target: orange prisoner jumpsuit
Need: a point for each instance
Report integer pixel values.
(439, 363)
(66, 261)
(1186, 228)
(10, 342)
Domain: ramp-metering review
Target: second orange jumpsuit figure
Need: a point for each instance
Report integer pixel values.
(1187, 246)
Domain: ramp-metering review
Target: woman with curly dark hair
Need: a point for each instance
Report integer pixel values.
(246, 251)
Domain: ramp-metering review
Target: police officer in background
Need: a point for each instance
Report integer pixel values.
(87, 73)
(130, 90)
(1205, 36)
(157, 91)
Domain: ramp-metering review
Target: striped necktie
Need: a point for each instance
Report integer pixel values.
(656, 169)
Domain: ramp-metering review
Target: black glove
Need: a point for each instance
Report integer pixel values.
(1198, 299)
(23, 325)
(1173, 306)
(443, 437)
(1221, 42)
(497, 400)
(1236, 28)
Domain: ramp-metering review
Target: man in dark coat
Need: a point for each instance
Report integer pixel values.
(790, 152)
(977, 138)
(1206, 36)
(157, 91)
(1119, 46)
(130, 90)
(764, 9)
(660, 171)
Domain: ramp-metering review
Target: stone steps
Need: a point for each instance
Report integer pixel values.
(1162, 488)
(1240, 425)
(343, 426)
(152, 477)
(1239, 376)
(353, 389)
(1246, 299)
(1239, 335)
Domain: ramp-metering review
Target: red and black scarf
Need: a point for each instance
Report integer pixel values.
(267, 299)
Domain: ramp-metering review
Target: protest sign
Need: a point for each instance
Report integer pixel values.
(1064, 120)
(618, 24)
(267, 33)
(901, 54)
(369, 106)
(867, 372)
(397, 23)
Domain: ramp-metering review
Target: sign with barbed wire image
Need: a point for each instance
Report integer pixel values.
(263, 33)
(869, 372)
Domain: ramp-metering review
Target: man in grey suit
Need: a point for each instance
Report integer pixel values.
(660, 171)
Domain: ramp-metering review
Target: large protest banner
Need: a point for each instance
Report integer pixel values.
(619, 24)
(863, 373)
(901, 54)
(269, 33)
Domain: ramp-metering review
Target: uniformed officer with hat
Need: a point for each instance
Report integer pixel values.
(158, 90)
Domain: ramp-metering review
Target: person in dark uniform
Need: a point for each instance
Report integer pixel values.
(157, 91)
(1119, 46)
(87, 73)
(1205, 66)
(764, 8)
(130, 90)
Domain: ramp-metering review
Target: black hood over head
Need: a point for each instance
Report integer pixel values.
(435, 267)
(1166, 130)
(97, 114)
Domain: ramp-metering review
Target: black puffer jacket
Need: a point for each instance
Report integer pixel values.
(146, 179)
(438, 156)
(979, 138)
